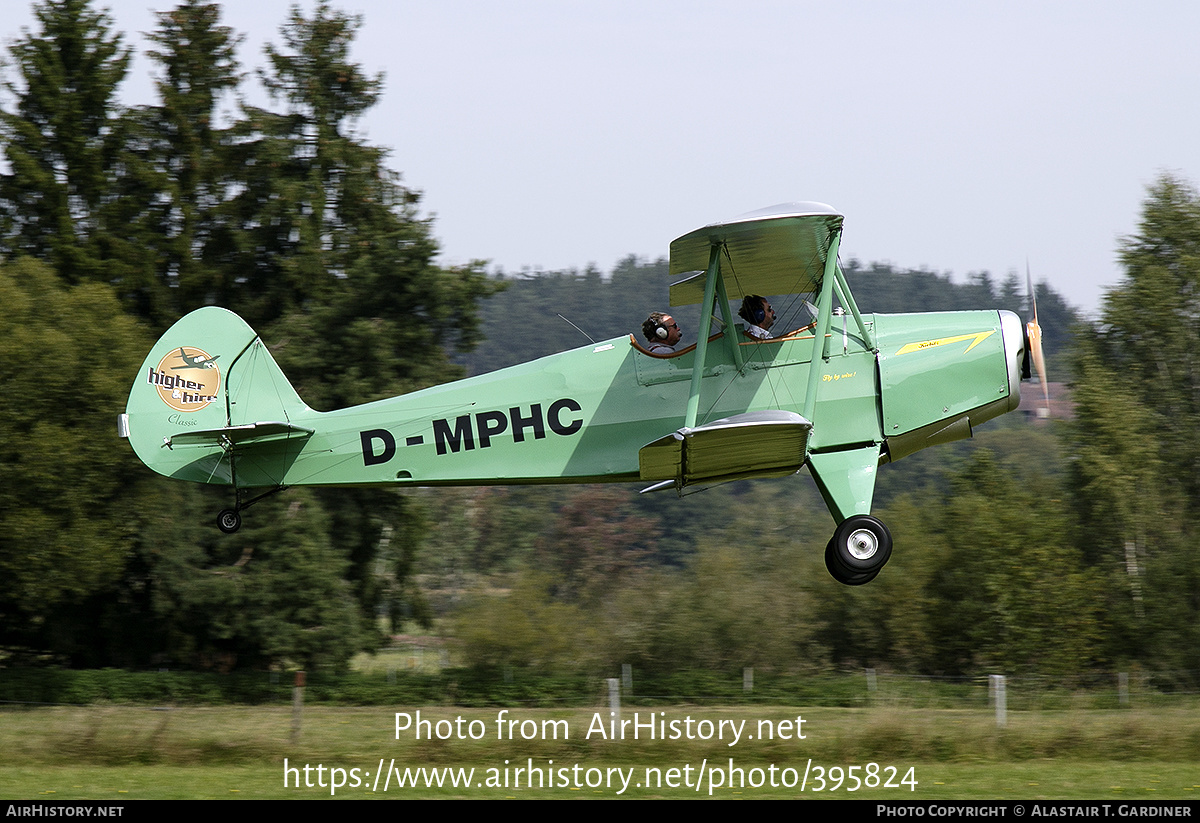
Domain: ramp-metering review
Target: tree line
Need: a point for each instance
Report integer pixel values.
(568, 308)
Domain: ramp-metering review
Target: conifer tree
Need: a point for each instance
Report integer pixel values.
(333, 260)
(339, 271)
(182, 149)
(62, 141)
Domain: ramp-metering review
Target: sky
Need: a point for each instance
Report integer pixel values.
(956, 137)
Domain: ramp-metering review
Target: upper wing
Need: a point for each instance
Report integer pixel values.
(777, 250)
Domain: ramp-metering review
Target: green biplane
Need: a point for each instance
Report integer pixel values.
(840, 395)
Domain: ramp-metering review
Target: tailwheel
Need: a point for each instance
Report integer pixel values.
(229, 521)
(858, 550)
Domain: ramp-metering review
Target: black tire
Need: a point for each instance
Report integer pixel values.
(862, 544)
(229, 521)
(843, 576)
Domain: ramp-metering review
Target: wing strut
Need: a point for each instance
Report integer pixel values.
(731, 335)
(706, 317)
(824, 317)
(847, 300)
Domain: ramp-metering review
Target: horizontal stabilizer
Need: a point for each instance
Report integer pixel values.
(233, 436)
(757, 444)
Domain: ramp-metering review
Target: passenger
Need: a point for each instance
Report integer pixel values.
(662, 333)
(759, 316)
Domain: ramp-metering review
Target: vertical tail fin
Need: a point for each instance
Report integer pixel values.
(208, 385)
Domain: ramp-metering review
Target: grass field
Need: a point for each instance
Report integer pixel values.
(119, 753)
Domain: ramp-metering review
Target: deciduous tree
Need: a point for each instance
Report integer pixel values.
(68, 489)
(1137, 433)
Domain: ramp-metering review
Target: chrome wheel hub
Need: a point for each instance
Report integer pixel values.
(862, 544)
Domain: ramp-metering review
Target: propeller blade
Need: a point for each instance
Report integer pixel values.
(1033, 330)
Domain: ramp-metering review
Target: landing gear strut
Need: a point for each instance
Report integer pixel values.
(858, 550)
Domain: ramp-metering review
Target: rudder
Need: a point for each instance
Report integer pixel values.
(209, 386)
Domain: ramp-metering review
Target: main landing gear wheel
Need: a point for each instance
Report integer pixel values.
(841, 575)
(229, 521)
(859, 549)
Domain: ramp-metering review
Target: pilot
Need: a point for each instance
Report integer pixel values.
(662, 333)
(759, 316)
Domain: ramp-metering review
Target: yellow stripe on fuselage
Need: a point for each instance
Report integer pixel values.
(978, 337)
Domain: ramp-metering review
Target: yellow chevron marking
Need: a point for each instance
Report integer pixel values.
(979, 337)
